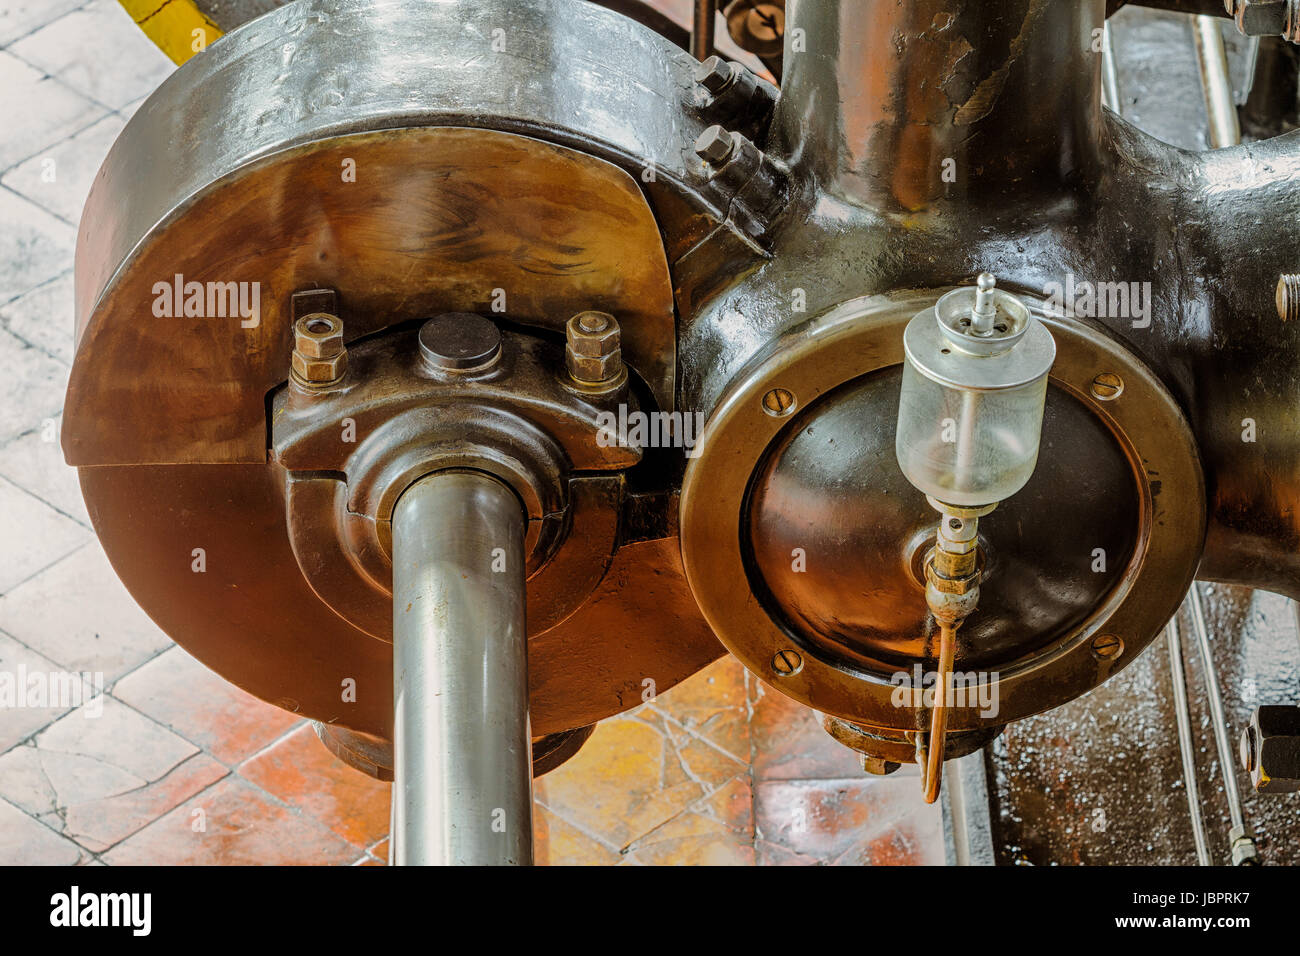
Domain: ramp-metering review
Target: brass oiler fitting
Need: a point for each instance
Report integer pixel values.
(952, 568)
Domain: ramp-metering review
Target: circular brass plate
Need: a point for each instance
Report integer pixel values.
(863, 336)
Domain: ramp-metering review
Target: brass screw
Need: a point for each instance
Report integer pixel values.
(1107, 647)
(1107, 386)
(778, 402)
(787, 663)
(1288, 297)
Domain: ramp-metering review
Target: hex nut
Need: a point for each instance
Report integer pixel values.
(319, 356)
(1263, 18)
(714, 74)
(1272, 749)
(1244, 851)
(715, 145)
(593, 352)
(593, 334)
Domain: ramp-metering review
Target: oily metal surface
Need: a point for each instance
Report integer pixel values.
(438, 220)
(1046, 188)
(833, 489)
(1100, 780)
(166, 414)
(865, 335)
(321, 69)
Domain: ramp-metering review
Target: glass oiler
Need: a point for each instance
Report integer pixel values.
(970, 420)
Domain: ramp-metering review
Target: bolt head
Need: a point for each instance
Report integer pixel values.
(594, 348)
(1263, 18)
(778, 402)
(1107, 386)
(715, 145)
(318, 371)
(1288, 297)
(714, 74)
(1275, 741)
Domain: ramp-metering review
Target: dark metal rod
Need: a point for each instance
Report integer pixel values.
(1183, 713)
(702, 29)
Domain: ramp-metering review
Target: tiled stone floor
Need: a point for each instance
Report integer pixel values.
(168, 763)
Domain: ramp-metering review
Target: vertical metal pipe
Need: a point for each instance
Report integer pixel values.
(1218, 719)
(1183, 714)
(703, 27)
(462, 791)
(1212, 56)
(1109, 73)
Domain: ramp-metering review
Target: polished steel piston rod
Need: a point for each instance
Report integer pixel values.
(462, 791)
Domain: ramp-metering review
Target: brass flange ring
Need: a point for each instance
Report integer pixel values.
(856, 339)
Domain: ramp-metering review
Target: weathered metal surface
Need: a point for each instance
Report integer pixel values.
(1100, 780)
(505, 223)
(333, 145)
(915, 145)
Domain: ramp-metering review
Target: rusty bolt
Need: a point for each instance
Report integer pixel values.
(1261, 18)
(594, 349)
(1107, 386)
(1107, 647)
(787, 663)
(878, 766)
(1288, 297)
(715, 74)
(715, 145)
(319, 358)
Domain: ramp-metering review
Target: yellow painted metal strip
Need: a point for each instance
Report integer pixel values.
(177, 27)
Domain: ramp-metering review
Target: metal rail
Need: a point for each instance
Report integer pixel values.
(462, 791)
(1185, 744)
